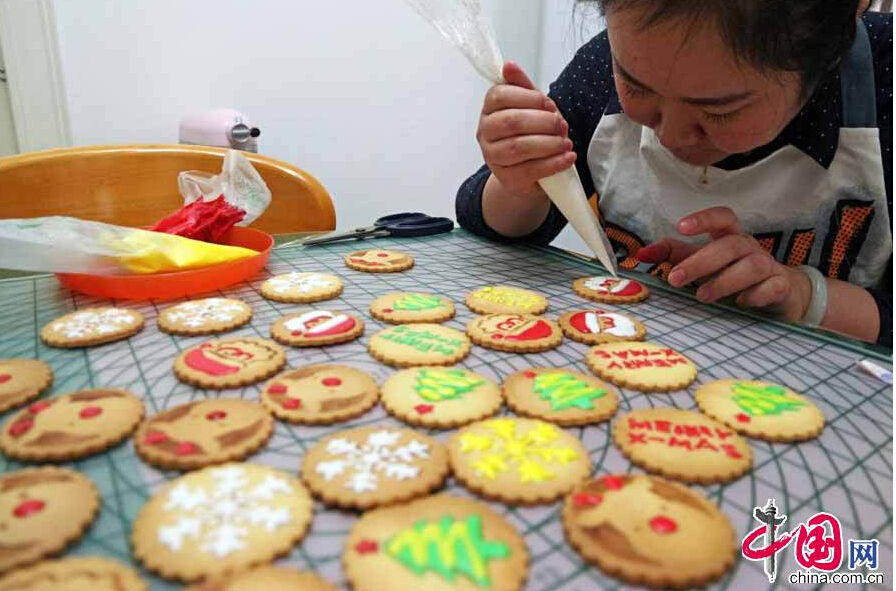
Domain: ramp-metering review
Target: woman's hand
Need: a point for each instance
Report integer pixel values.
(522, 134)
(731, 263)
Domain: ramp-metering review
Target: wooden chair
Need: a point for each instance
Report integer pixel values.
(136, 185)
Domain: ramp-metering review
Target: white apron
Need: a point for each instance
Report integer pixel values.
(834, 219)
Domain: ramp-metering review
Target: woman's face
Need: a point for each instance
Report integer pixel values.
(682, 82)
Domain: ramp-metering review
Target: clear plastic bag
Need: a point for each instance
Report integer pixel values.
(238, 181)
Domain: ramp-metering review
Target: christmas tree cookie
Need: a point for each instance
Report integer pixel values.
(440, 397)
(560, 396)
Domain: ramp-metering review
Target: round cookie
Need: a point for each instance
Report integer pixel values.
(43, 510)
(229, 363)
(761, 410)
(518, 461)
(439, 543)
(649, 531)
(320, 394)
(208, 316)
(265, 578)
(379, 261)
(202, 433)
(409, 345)
(316, 328)
(641, 366)
(597, 326)
(371, 466)
(77, 573)
(219, 520)
(22, 380)
(610, 290)
(440, 397)
(504, 299)
(410, 307)
(516, 333)
(72, 426)
(301, 288)
(91, 326)
(560, 396)
(682, 444)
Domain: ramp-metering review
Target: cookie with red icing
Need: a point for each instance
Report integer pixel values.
(82, 572)
(647, 367)
(22, 380)
(597, 326)
(42, 510)
(517, 333)
(611, 290)
(229, 363)
(316, 328)
(649, 531)
(379, 261)
(72, 426)
(320, 394)
(202, 433)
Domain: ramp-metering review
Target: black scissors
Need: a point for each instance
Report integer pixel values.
(402, 225)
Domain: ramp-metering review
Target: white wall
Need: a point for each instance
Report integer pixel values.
(364, 95)
(8, 144)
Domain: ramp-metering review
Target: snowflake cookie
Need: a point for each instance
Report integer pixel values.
(92, 326)
(363, 468)
(208, 316)
(221, 519)
(302, 288)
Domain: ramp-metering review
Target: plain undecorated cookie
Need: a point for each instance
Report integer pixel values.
(409, 345)
(649, 531)
(379, 261)
(208, 316)
(514, 333)
(610, 290)
(77, 573)
(647, 367)
(302, 288)
(91, 326)
(560, 396)
(415, 546)
(504, 299)
(22, 380)
(761, 410)
(317, 328)
(229, 362)
(73, 426)
(597, 326)
(219, 520)
(411, 307)
(320, 394)
(265, 578)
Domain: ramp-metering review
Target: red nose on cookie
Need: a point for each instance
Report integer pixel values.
(90, 412)
(27, 508)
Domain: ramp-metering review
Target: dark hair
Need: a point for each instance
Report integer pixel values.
(806, 37)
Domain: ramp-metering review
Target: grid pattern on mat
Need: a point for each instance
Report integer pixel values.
(847, 471)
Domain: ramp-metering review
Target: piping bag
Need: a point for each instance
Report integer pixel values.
(462, 23)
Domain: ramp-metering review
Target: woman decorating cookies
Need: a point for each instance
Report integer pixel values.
(741, 145)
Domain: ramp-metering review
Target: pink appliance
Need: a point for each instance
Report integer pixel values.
(224, 128)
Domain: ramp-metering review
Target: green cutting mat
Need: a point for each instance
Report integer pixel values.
(847, 471)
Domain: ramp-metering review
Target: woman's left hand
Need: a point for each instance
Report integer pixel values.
(731, 263)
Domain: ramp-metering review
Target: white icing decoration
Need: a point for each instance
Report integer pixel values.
(623, 327)
(83, 324)
(299, 323)
(300, 282)
(198, 313)
(219, 517)
(376, 456)
(596, 284)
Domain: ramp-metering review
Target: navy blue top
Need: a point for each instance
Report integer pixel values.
(585, 91)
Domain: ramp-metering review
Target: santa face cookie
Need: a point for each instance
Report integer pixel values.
(316, 328)
(229, 363)
(761, 410)
(597, 326)
(641, 366)
(503, 299)
(220, 520)
(208, 316)
(371, 466)
(439, 543)
(265, 578)
(92, 326)
(440, 397)
(379, 261)
(516, 333)
(560, 396)
(202, 433)
(22, 380)
(302, 288)
(409, 345)
(610, 290)
(518, 461)
(71, 426)
(649, 531)
(320, 394)
(42, 510)
(406, 308)
(682, 444)
(91, 573)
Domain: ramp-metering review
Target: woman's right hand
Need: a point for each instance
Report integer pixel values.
(522, 134)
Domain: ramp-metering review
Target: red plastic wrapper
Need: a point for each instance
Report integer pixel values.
(201, 220)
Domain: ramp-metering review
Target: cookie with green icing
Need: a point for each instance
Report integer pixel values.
(411, 307)
(560, 396)
(411, 345)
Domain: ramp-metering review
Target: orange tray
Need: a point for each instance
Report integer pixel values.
(166, 286)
